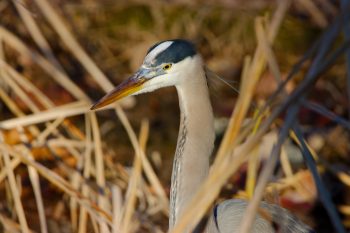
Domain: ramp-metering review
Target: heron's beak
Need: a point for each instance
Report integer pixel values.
(126, 88)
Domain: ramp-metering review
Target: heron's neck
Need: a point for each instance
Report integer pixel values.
(194, 145)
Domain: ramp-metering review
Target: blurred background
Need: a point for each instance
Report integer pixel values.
(116, 35)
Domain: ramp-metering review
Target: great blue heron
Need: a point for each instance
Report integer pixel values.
(177, 63)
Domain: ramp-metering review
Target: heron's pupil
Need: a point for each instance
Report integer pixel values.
(166, 67)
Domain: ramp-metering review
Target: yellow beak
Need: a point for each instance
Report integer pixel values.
(126, 88)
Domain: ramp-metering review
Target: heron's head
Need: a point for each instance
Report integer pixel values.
(167, 63)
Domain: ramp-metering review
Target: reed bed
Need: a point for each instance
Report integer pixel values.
(45, 140)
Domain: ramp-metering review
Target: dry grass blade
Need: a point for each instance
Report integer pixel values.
(253, 164)
(34, 179)
(285, 163)
(8, 163)
(273, 66)
(14, 163)
(73, 45)
(296, 181)
(13, 41)
(26, 85)
(344, 209)
(19, 92)
(59, 182)
(63, 111)
(345, 178)
(41, 138)
(134, 180)
(151, 175)
(14, 189)
(252, 208)
(117, 203)
(10, 226)
(315, 13)
(99, 166)
(82, 226)
(267, 50)
(61, 142)
(254, 72)
(10, 104)
(295, 69)
(36, 34)
(75, 179)
(32, 172)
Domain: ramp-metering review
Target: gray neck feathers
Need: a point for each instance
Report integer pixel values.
(194, 145)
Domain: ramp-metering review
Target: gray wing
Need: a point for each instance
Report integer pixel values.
(227, 217)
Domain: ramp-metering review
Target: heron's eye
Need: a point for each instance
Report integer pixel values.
(167, 66)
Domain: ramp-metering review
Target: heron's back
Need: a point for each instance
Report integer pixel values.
(227, 218)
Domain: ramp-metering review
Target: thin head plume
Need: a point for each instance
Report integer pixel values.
(211, 74)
